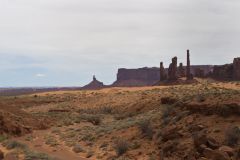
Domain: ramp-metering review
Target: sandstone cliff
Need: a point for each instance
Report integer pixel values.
(149, 76)
(227, 71)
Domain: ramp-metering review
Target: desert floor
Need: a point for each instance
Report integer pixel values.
(143, 123)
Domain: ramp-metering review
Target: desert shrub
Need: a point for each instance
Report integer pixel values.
(97, 110)
(121, 146)
(123, 158)
(200, 98)
(105, 110)
(29, 155)
(14, 144)
(51, 141)
(88, 137)
(168, 100)
(152, 157)
(224, 111)
(135, 145)
(124, 115)
(29, 138)
(77, 149)
(167, 110)
(3, 138)
(232, 136)
(146, 128)
(94, 119)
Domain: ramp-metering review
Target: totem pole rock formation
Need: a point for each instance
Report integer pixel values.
(162, 72)
(181, 70)
(188, 71)
(172, 70)
(236, 68)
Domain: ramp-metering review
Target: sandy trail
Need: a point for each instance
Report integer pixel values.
(60, 152)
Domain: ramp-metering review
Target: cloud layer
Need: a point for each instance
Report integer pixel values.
(70, 40)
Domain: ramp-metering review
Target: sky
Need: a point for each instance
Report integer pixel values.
(66, 42)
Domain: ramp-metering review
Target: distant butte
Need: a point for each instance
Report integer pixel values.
(95, 84)
(172, 75)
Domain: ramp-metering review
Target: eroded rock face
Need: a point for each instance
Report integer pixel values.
(236, 69)
(148, 76)
(199, 72)
(12, 125)
(172, 70)
(181, 70)
(162, 72)
(223, 72)
(137, 77)
(215, 154)
(227, 71)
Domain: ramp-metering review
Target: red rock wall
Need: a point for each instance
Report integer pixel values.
(147, 76)
(236, 69)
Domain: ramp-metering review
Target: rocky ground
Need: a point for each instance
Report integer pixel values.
(195, 121)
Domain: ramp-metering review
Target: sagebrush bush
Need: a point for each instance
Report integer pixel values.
(94, 119)
(29, 155)
(3, 138)
(97, 110)
(146, 128)
(14, 144)
(121, 146)
(167, 110)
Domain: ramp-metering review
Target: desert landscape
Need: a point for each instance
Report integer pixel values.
(119, 80)
(183, 115)
(191, 121)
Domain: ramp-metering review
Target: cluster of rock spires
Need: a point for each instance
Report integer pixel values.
(152, 76)
(175, 72)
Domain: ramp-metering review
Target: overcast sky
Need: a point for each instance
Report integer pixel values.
(65, 42)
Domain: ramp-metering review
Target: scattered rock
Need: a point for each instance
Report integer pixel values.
(199, 139)
(227, 149)
(169, 146)
(77, 149)
(168, 100)
(1, 155)
(196, 128)
(11, 156)
(170, 133)
(215, 154)
(212, 143)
